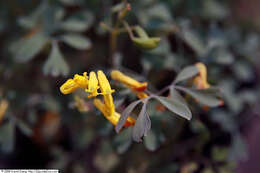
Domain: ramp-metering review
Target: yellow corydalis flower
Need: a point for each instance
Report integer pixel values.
(201, 80)
(79, 81)
(106, 91)
(114, 118)
(137, 87)
(92, 85)
(3, 108)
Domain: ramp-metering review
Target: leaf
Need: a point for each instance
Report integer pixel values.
(238, 150)
(213, 10)
(77, 41)
(209, 97)
(174, 94)
(26, 48)
(123, 140)
(7, 136)
(72, 2)
(195, 42)
(142, 125)
(125, 115)
(150, 141)
(186, 73)
(175, 106)
(78, 23)
(24, 128)
(55, 65)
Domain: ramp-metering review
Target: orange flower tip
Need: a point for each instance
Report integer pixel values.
(205, 108)
(141, 88)
(129, 122)
(221, 103)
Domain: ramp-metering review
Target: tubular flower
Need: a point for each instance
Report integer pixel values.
(106, 91)
(137, 87)
(72, 84)
(92, 85)
(114, 118)
(3, 108)
(81, 81)
(201, 80)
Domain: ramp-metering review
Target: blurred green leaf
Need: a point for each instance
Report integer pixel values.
(150, 141)
(26, 48)
(214, 9)
(79, 22)
(24, 128)
(55, 64)
(194, 40)
(209, 97)
(142, 125)
(30, 21)
(219, 153)
(243, 71)
(77, 41)
(123, 140)
(238, 150)
(223, 56)
(186, 73)
(7, 136)
(175, 106)
(72, 2)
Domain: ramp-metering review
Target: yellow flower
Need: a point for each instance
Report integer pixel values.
(72, 84)
(92, 85)
(3, 108)
(201, 80)
(114, 118)
(81, 81)
(131, 83)
(106, 91)
(81, 104)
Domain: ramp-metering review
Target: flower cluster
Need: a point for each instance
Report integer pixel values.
(98, 84)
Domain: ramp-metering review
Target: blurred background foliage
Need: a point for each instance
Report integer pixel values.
(45, 42)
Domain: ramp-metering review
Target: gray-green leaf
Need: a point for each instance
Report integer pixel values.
(150, 141)
(209, 97)
(77, 41)
(7, 136)
(174, 94)
(125, 115)
(142, 125)
(175, 106)
(55, 65)
(25, 49)
(78, 23)
(186, 73)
